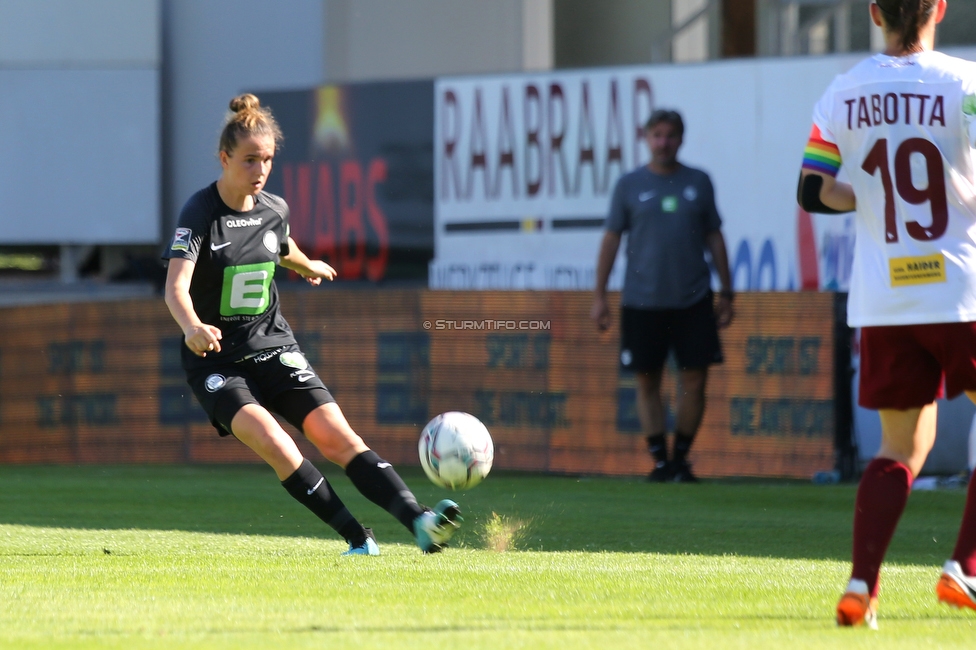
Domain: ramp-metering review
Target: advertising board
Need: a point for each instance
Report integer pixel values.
(101, 383)
(356, 170)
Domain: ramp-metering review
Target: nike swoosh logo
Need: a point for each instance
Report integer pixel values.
(316, 486)
(646, 196)
(383, 465)
(215, 247)
(304, 378)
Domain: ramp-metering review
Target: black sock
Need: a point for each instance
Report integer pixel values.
(379, 482)
(310, 489)
(682, 444)
(658, 446)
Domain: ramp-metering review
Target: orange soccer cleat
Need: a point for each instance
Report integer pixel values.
(857, 606)
(955, 587)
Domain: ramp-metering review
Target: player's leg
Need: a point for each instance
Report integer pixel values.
(378, 481)
(696, 346)
(256, 427)
(901, 380)
(957, 584)
(229, 398)
(329, 431)
(689, 411)
(906, 439)
(953, 346)
(643, 350)
(298, 394)
(650, 412)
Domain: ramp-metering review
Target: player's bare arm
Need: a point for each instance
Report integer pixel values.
(200, 337)
(822, 193)
(720, 259)
(600, 312)
(312, 270)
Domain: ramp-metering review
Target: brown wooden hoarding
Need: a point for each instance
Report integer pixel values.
(101, 382)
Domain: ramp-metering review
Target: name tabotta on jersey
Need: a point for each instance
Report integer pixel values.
(890, 108)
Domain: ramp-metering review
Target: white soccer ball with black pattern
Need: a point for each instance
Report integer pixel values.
(456, 450)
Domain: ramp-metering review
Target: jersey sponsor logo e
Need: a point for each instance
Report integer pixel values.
(270, 242)
(246, 289)
(646, 196)
(214, 383)
(217, 247)
(244, 223)
(907, 271)
(181, 240)
(669, 204)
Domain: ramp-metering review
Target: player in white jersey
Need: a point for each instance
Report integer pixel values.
(903, 125)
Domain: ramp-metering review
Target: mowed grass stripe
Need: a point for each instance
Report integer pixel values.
(221, 557)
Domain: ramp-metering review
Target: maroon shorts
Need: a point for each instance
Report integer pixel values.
(903, 366)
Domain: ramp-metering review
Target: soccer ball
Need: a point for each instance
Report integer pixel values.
(456, 450)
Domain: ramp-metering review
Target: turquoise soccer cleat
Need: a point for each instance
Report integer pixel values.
(369, 547)
(434, 528)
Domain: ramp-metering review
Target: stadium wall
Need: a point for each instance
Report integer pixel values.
(102, 383)
(79, 100)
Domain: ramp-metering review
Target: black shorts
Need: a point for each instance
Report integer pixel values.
(646, 336)
(279, 379)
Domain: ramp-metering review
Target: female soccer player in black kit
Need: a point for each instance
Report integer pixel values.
(241, 358)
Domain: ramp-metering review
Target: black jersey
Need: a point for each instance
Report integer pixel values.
(233, 287)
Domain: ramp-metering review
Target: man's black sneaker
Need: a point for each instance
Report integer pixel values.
(681, 473)
(661, 473)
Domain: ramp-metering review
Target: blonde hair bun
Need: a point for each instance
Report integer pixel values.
(246, 118)
(244, 102)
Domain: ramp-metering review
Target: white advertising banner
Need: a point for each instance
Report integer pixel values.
(525, 166)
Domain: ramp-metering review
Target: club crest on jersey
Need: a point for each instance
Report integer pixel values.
(271, 241)
(690, 193)
(294, 360)
(181, 240)
(214, 383)
(626, 357)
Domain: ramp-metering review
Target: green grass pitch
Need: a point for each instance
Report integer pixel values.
(221, 557)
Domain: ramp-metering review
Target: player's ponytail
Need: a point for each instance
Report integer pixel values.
(906, 18)
(247, 118)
